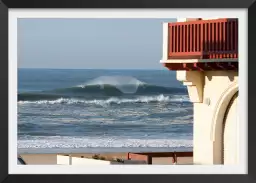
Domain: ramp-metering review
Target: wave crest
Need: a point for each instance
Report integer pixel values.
(112, 100)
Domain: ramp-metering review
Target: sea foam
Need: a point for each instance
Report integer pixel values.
(112, 100)
(90, 142)
(126, 84)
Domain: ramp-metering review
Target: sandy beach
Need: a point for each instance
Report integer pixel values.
(50, 159)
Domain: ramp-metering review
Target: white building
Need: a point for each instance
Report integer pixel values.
(205, 55)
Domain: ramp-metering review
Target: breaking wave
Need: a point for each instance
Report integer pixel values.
(112, 100)
(104, 86)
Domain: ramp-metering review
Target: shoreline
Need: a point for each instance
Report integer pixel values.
(97, 150)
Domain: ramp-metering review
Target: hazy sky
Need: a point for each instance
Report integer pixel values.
(90, 43)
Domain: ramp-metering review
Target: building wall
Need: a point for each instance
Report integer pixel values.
(207, 134)
(231, 134)
(66, 160)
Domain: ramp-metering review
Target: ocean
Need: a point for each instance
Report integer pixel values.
(85, 109)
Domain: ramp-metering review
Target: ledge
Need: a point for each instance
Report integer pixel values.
(194, 81)
(199, 60)
(203, 66)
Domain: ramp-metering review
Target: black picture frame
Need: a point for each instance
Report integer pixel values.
(5, 4)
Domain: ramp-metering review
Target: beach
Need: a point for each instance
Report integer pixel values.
(85, 112)
(50, 159)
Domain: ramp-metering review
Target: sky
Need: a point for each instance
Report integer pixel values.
(90, 43)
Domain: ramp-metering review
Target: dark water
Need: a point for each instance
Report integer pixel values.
(102, 108)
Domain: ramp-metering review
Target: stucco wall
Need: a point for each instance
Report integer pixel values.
(231, 149)
(206, 143)
(65, 160)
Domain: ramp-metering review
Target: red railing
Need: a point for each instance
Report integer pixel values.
(147, 156)
(203, 39)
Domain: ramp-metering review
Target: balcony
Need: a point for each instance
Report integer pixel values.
(201, 41)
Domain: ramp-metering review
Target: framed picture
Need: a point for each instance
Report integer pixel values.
(126, 87)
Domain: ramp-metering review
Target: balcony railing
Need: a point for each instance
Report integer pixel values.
(203, 39)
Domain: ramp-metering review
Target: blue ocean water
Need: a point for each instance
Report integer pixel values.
(79, 108)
